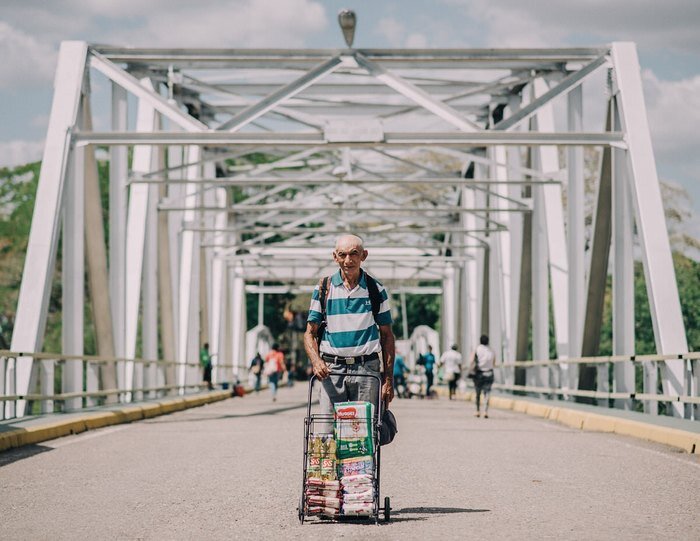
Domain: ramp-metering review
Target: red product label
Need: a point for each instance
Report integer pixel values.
(346, 413)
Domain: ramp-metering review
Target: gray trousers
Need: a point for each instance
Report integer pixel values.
(349, 383)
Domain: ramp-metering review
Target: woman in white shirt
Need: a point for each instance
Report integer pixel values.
(482, 369)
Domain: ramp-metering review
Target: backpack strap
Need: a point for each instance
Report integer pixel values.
(322, 294)
(374, 296)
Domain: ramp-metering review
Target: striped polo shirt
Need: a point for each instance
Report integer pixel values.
(351, 329)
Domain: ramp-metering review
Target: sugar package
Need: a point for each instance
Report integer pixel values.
(358, 509)
(358, 497)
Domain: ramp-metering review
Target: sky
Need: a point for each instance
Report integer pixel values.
(666, 33)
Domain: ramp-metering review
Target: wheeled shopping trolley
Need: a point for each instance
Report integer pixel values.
(342, 459)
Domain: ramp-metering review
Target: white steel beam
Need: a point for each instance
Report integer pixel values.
(576, 231)
(570, 83)
(500, 325)
(416, 94)
(662, 288)
(136, 237)
(32, 305)
(118, 202)
(147, 374)
(449, 309)
(391, 139)
(256, 110)
(188, 254)
(623, 274)
(144, 94)
(238, 321)
(73, 275)
(554, 228)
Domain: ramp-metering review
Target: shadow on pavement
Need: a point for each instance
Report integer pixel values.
(397, 515)
(436, 511)
(272, 411)
(27, 451)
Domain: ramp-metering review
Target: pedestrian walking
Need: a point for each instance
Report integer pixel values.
(256, 368)
(481, 367)
(274, 368)
(400, 371)
(452, 361)
(357, 330)
(428, 362)
(205, 364)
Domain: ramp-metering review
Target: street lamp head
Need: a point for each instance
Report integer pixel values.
(347, 22)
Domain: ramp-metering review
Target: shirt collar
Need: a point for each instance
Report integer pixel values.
(337, 279)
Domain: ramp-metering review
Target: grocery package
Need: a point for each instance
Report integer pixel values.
(322, 458)
(358, 494)
(323, 501)
(323, 485)
(353, 466)
(358, 509)
(329, 512)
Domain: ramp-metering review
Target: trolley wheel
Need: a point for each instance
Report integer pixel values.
(387, 509)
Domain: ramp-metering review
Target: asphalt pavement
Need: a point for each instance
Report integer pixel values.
(232, 470)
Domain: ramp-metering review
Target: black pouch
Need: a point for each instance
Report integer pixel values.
(388, 430)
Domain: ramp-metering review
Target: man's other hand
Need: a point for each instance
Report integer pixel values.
(388, 391)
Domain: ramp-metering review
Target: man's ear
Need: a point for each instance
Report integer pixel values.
(364, 254)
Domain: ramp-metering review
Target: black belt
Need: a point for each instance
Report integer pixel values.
(339, 359)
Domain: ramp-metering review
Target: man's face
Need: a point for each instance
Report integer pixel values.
(349, 257)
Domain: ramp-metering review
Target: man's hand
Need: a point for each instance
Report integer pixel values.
(320, 369)
(388, 391)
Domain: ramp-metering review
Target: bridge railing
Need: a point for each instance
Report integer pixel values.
(548, 379)
(49, 372)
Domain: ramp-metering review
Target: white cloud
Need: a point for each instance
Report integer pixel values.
(392, 30)
(251, 23)
(416, 41)
(673, 110)
(24, 60)
(672, 24)
(13, 153)
(173, 23)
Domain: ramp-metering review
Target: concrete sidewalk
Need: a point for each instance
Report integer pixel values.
(680, 433)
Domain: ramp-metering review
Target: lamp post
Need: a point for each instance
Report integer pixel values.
(347, 22)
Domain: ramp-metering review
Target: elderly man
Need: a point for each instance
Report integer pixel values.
(354, 336)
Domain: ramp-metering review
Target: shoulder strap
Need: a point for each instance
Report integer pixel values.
(374, 295)
(322, 293)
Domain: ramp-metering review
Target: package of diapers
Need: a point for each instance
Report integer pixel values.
(353, 429)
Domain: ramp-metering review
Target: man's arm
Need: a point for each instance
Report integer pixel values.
(386, 336)
(311, 346)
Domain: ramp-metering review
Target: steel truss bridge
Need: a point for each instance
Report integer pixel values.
(463, 170)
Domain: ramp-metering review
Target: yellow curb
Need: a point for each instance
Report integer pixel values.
(151, 410)
(598, 423)
(19, 437)
(520, 406)
(128, 414)
(538, 410)
(594, 422)
(171, 406)
(99, 420)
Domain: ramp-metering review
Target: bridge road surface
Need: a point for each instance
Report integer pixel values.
(232, 470)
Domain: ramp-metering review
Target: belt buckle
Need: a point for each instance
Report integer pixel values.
(349, 360)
